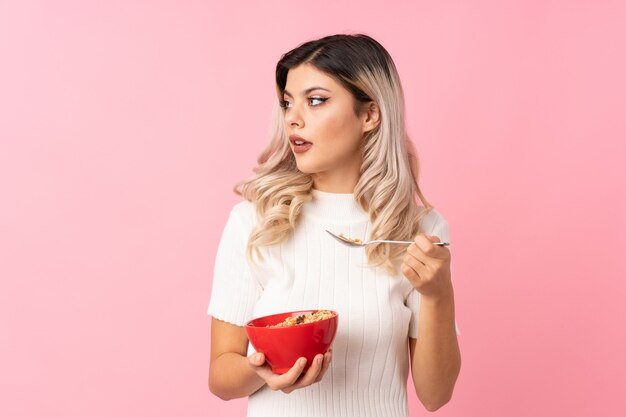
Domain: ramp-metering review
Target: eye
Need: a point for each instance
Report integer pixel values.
(320, 100)
(284, 104)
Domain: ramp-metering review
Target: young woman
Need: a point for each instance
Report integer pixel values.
(340, 160)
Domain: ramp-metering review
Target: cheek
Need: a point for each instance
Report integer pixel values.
(339, 126)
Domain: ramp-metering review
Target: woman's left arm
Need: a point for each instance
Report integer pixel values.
(435, 355)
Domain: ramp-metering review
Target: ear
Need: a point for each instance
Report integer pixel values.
(372, 116)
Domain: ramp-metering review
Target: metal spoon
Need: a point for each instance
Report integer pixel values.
(349, 242)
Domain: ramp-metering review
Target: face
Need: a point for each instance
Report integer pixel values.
(329, 140)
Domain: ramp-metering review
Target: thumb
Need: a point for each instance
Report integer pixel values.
(256, 359)
(432, 238)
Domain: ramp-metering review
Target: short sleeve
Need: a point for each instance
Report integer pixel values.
(234, 289)
(434, 225)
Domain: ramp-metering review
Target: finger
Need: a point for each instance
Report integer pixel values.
(328, 356)
(310, 376)
(430, 252)
(414, 251)
(414, 269)
(424, 244)
(432, 238)
(256, 359)
(416, 265)
(257, 362)
(288, 378)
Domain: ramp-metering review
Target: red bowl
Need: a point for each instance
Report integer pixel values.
(282, 346)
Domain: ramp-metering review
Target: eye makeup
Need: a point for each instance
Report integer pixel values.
(287, 104)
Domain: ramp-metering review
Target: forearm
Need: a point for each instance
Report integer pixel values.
(436, 359)
(230, 376)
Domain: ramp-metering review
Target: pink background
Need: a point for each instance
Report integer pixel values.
(124, 125)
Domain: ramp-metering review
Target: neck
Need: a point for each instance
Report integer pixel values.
(334, 207)
(336, 182)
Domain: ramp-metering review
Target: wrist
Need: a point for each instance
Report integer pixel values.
(444, 297)
(439, 310)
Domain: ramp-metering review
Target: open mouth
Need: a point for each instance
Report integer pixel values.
(299, 144)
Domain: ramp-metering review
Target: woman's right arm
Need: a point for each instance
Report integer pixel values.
(234, 375)
(230, 375)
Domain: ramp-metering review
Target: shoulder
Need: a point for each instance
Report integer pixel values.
(431, 220)
(243, 208)
(434, 224)
(244, 214)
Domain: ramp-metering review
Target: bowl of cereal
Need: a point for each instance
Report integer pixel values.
(285, 337)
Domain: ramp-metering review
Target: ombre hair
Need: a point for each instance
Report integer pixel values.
(388, 187)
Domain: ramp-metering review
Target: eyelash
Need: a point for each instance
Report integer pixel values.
(285, 103)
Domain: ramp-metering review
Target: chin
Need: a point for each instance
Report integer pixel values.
(307, 171)
(307, 168)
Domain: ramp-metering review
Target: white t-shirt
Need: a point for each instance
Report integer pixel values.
(310, 270)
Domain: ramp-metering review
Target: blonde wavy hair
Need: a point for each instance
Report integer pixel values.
(388, 187)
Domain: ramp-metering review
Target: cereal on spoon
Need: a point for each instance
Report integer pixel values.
(358, 241)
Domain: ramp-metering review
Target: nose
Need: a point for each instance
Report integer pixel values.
(293, 117)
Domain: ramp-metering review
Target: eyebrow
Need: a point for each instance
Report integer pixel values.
(307, 91)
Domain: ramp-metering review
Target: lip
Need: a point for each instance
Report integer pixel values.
(293, 138)
(299, 148)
